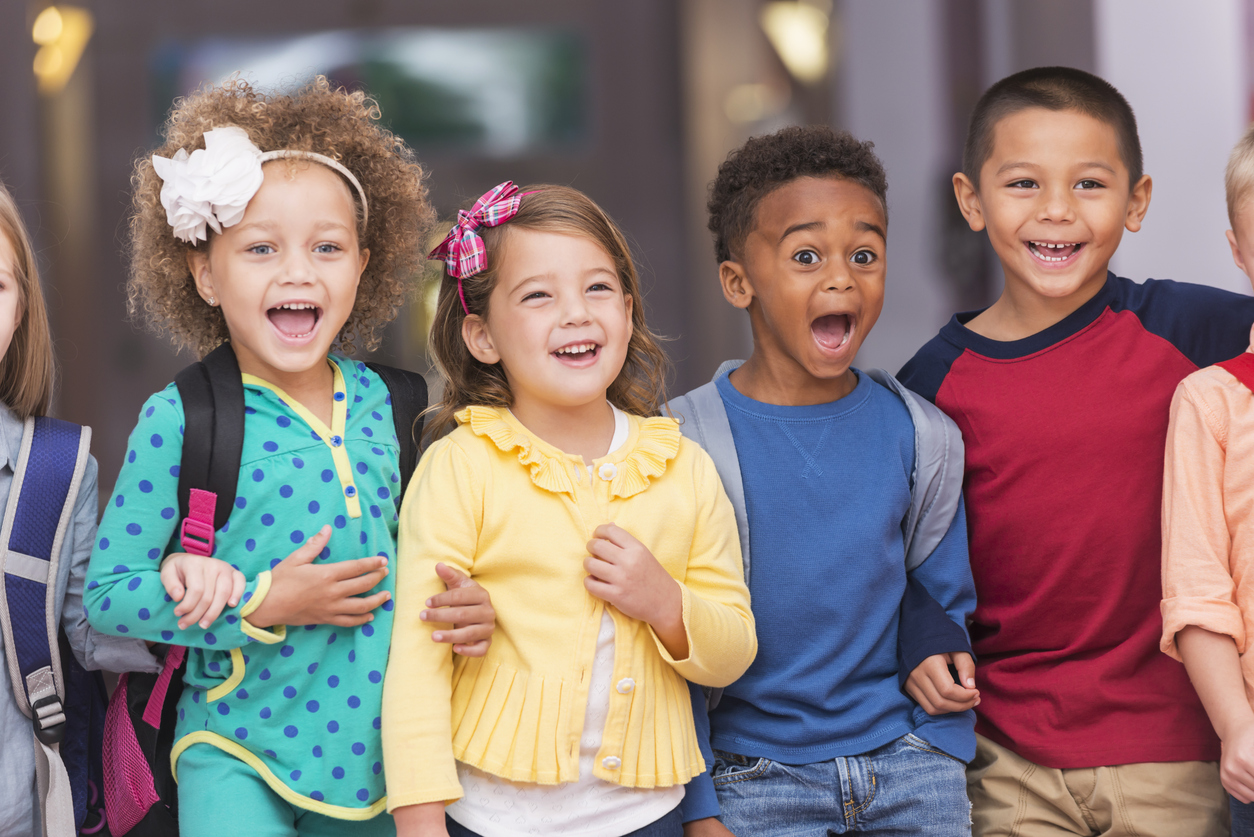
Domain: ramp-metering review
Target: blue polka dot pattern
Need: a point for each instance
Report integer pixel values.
(291, 488)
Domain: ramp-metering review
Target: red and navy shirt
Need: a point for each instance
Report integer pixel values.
(1064, 433)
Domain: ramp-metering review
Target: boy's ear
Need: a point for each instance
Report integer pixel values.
(1236, 251)
(478, 340)
(968, 198)
(198, 264)
(737, 289)
(1138, 203)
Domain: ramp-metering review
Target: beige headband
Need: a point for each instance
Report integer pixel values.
(291, 154)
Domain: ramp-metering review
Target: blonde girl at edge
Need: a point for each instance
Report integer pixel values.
(605, 537)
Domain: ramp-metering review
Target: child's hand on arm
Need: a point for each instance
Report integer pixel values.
(202, 586)
(425, 820)
(304, 593)
(623, 572)
(933, 687)
(1215, 669)
(467, 607)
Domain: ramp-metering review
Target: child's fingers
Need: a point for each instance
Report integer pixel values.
(615, 534)
(1241, 787)
(195, 584)
(237, 588)
(308, 551)
(454, 578)
(362, 605)
(474, 649)
(171, 580)
(221, 592)
(600, 569)
(474, 596)
(360, 584)
(919, 696)
(966, 668)
(203, 600)
(473, 615)
(601, 589)
(469, 634)
(357, 567)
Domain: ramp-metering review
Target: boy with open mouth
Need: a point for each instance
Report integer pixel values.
(827, 466)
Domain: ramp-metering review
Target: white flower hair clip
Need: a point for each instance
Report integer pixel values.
(211, 187)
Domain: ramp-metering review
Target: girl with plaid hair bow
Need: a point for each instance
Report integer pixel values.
(605, 537)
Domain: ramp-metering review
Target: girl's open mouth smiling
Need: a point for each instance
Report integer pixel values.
(295, 320)
(577, 354)
(1053, 252)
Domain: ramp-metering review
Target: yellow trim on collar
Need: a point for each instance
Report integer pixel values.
(237, 677)
(229, 747)
(266, 636)
(332, 437)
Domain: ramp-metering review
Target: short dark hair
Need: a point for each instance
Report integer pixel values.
(1052, 88)
(763, 164)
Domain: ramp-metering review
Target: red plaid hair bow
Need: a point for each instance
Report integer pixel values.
(462, 250)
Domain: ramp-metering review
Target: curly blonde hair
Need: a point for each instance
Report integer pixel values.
(337, 123)
(640, 387)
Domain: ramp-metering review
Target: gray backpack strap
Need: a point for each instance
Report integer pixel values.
(703, 419)
(936, 480)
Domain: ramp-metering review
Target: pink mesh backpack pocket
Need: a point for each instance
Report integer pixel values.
(140, 795)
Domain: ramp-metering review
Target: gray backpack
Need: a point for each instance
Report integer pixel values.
(935, 480)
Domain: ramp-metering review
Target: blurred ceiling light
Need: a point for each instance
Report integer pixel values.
(798, 31)
(753, 102)
(62, 33)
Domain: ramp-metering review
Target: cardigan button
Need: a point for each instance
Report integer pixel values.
(611, 762)
(608, 471)
(625, 686)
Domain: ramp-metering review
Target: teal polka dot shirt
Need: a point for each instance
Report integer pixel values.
(299, 703)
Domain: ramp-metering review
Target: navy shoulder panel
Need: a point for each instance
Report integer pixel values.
(1206, 324)
(925, 372)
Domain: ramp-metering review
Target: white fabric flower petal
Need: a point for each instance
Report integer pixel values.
(212, 186)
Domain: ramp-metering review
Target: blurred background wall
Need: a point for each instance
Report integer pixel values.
(634, 102)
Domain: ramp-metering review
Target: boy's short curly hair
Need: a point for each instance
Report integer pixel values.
(765, 163)
(331, 121)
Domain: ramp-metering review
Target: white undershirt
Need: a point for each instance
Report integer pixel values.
(588, 807)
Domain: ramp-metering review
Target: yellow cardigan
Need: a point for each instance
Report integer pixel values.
(516, 514)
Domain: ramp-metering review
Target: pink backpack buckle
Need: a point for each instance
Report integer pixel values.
(196, 534)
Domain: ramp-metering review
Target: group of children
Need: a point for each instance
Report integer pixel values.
(955, 575)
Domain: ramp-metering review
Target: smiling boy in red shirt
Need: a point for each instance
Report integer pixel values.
(1061, 389)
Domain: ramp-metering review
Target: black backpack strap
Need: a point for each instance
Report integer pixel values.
(409, 401)
(213, 430)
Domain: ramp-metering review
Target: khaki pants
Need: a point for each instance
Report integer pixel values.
(1012, 797)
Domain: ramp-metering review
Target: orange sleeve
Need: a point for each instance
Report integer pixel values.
(1198, 587)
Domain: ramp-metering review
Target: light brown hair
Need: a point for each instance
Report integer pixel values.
(641, 383)
(27, 370)
(1239, 174)
(330, 121)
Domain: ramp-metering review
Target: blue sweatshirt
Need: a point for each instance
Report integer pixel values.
(827, 488)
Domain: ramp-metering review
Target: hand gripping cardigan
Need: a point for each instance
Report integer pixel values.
(516, 514)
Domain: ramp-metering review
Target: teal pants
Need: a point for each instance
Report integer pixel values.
(219, 794)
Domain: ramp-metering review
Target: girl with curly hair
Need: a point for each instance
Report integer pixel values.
(606, 538)
(288, 226)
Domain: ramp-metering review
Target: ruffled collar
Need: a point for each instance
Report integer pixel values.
(651, 444)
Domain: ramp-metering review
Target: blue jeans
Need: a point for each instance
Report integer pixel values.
(670, 825)
(905, 787)
(1242, 818)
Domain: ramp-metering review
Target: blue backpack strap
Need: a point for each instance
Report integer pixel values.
(49, 471)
